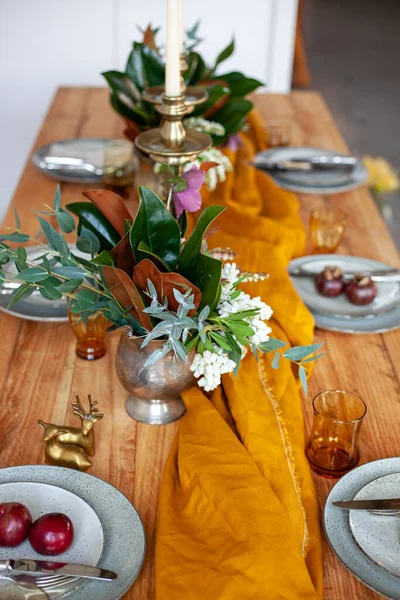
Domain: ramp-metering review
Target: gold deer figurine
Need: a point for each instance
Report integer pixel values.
(72, 446)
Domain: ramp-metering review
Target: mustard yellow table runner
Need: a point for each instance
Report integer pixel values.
(238, 515)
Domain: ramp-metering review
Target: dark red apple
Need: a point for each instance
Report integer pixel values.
(15, 522)
(52, 534)
(330, 282)
(361, 290)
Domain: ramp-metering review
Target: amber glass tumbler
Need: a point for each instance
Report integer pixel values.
(333, 449)
(90, 334)
(327, 227)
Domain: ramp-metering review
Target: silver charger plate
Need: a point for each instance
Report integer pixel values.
(124, 536)
(91, 150)
(339, 534)
(339, 314)
(318, 181)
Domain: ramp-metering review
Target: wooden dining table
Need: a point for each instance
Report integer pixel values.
(39, 369)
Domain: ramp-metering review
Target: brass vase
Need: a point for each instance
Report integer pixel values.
(154, 390)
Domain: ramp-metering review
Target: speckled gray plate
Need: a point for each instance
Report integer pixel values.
(339, 534)
(124, 539)
(314, 182)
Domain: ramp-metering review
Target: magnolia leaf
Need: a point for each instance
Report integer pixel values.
(303, 378)
(207, 165)
(122, 255)
(91, 218)
(112, 206)
(164, 283)
(239, 84)
(224, 54)
(145, 252)
(127, 294)
(299, 352)
(155, 226)
(103, 259)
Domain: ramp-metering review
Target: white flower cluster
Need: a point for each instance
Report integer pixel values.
(216, 174)
(228, 306)
(200, 124)
(209, 366)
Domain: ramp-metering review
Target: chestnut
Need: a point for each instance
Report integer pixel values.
(361, 289)
(330, 282)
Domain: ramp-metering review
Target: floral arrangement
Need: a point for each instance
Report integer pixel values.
(226, 104)
(381, 176)
(146, 275)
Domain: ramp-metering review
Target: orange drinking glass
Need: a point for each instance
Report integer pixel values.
(333, 449)
(327, 227)
(90, 334)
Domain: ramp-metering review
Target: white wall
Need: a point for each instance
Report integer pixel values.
(46, 43)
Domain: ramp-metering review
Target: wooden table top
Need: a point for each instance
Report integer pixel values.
(39, 369)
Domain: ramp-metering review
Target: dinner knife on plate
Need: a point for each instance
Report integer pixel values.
(392, 504)
(307, 164)
(37, 568)
(378, 275)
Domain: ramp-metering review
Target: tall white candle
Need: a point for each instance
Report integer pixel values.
(180, 25)
(172, 70)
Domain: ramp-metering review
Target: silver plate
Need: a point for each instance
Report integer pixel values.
(92, 150)
(317, 181)
(338, 532)
(123, 530)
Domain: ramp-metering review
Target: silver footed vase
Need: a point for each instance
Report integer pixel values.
(154, 390)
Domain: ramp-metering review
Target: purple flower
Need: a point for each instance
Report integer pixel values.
(233, 142)
(189, 198)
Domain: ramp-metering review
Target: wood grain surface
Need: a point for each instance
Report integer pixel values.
(39, 369)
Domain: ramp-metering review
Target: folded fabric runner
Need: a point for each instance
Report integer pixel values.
(238, 514)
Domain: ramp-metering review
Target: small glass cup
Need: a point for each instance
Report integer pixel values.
(327, 227)
(91, 334)
(278, 134)
(333, 449)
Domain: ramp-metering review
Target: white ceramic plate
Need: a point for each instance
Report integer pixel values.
(379, 536)
(340, 535)
(314, 182)
(124, 540)
(388, 296)
(40, 499)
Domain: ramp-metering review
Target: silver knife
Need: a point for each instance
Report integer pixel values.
(310, 164)
(379, 275)
(37, 568)
(392, 504)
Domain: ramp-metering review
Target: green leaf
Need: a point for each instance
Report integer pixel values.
(241, 328)
(275, 362)
(14, 237)
(303, 378)
(23, 291)
(103, 259)
(232, 116)
(49, 288)
(197, 68)
(239, 84)
(70, 286)
(47, 265)
(221, 341)
(134, 66)
(32, 275)
(2, 276)
(235, 294)
(226, 53)
(216, 93)
(202, 270)
(254, 351)
(312, 358)
(65, 221)
(54, 239)
(21, 258)
(299, 352)
(91, 218)
(69, 272)
(271, 345)
(156, 227)
(153, 67)
(86, 298)
(145, 252)
(87, 241)
(17, 219)
(57, 199)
